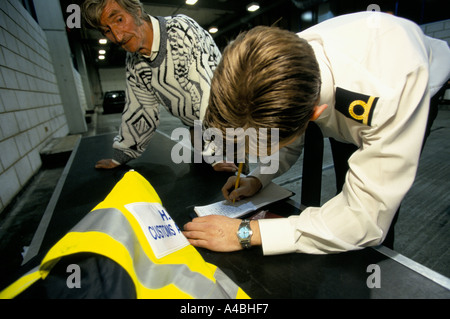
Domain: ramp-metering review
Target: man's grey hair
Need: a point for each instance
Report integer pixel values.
(92, 11)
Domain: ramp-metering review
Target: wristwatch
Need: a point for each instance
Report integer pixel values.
(244, 233)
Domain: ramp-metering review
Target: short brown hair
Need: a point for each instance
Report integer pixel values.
(267, 78)
(92, 11)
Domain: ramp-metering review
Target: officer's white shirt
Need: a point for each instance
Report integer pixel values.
(397, 69)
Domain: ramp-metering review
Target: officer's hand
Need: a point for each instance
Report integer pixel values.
(225, 167)
(106, 164)
(218, 233)
(248, 186)
(213, 232)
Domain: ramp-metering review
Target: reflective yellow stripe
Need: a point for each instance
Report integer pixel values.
(75, 242)
(184, 263)
(20, 285)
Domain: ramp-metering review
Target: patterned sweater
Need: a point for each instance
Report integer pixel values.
(179, 78)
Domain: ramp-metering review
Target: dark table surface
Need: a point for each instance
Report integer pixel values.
(182, 186)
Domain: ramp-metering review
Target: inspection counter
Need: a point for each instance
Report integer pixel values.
(369, 273)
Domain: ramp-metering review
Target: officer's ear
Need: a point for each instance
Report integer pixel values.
(318, 109)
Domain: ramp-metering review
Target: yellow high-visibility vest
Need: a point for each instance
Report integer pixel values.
(132, 228)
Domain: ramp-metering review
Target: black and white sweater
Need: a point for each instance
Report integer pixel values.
(179, 79)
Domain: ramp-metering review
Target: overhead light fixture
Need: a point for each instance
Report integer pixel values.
(252, 7)
(191, 2)
(213, 30)
(101, 52)
(102, 41)
(307, 16)
(101, 57)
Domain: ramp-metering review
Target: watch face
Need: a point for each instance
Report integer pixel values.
(244, 233)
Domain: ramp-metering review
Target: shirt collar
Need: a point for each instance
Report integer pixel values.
(156, 38)
(327, 88)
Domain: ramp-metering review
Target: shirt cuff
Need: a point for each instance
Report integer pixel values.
(277, 236)
(120, 157)
(265, 179)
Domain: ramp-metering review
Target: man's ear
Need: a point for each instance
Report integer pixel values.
(318, 109)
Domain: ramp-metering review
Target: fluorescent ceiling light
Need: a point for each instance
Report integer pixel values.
(252, 7)
(307, 16)
(191, 2)
(101, 52)
(102, 41)
(101, 57)
(213, 30)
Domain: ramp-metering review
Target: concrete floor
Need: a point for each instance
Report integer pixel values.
(422, 231)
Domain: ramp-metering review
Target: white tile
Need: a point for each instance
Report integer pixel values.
(9, 186)
(10, 78)
(9, 153)
(43, 114)
(22, 120)
(2, 83)
(33, 137)
(8, 124)
(442, 34)
(23, 143)
(22, 81)
(447, 24)
(11, 59)
(35, 160)
(9, 99)
(23, 100)
(2, 57)
(10, 40)
(33, 117)
(23, 170)
(436, 26)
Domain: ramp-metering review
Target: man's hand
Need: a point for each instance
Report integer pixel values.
(218, 233)
(106, 164)
(248, 186)
(225, 167)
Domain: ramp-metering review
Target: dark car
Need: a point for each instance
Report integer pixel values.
(113, 102)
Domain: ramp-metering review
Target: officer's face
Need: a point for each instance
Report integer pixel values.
(121, 27)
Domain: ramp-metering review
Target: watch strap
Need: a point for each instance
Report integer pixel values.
(245, 242)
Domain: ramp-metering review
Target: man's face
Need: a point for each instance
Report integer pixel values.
(120, 27)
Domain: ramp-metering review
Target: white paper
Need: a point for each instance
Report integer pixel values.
(271, 193)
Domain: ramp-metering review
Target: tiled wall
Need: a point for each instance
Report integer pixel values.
(439, 30)
(31, 112)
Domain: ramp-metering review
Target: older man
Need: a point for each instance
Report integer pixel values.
(170, 61)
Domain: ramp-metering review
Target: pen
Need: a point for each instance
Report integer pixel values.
(238, 178)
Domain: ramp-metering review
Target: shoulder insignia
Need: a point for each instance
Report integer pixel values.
(356, 106)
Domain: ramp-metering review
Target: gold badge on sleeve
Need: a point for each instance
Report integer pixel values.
(356, 106)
